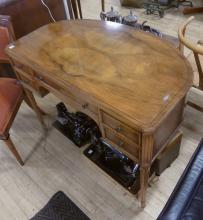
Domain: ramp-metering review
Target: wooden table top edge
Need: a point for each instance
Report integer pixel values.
(149, 127)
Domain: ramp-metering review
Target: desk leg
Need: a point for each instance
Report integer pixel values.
(146, 157)
(31, 100)
(30, 105)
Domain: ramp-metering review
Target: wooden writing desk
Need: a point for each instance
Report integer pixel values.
(131, 83)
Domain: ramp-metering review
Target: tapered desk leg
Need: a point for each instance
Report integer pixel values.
(144, 178)
(30, 105)
(146, 157)
(31, 100)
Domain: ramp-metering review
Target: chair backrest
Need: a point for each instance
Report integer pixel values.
(75, 10)
(197, 48)
(6, 36)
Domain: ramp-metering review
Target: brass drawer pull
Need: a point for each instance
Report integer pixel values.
(118, 129)
(40, 77)
(85, 105)
(120, 144)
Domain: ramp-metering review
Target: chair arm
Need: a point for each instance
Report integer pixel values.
(197, 48)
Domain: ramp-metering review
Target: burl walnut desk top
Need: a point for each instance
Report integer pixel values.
(132, 83)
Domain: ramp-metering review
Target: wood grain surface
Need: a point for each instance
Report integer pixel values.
(134, 73)
(54, 163)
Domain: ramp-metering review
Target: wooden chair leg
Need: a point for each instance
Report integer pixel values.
(13, 150)
(199, 67)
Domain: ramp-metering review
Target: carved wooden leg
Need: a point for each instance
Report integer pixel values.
(30, 100)
(146, 157)
(144, 178)
(33, 103)
(13, 150)
(30, 105)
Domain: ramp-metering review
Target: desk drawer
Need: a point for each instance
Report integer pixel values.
(80, 103)
(122, 145)
(24, 68)
(121, 128)
(27, 76)
(26, 82)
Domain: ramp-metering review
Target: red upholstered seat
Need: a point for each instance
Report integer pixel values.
(11, 96)
(4, 41)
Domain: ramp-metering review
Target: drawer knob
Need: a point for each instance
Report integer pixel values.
(85, 105)
(20, 66)
(120, 144)
(40, 77)
(119, 129)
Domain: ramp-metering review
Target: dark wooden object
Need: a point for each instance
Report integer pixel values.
(191, 10)
(103, 5)
(75, 9)
(169, 154)
(133, 86)
(28, 15)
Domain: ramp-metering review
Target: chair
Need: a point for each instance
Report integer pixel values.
(11, 96)
(11, 92)
(75, 10)
(197, 49)
(6, 36)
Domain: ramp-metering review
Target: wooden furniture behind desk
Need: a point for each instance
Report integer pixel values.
(131, 83)
(28, 15)
(75, 9)
(103, 5)
(6, 36)
(191, 10)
